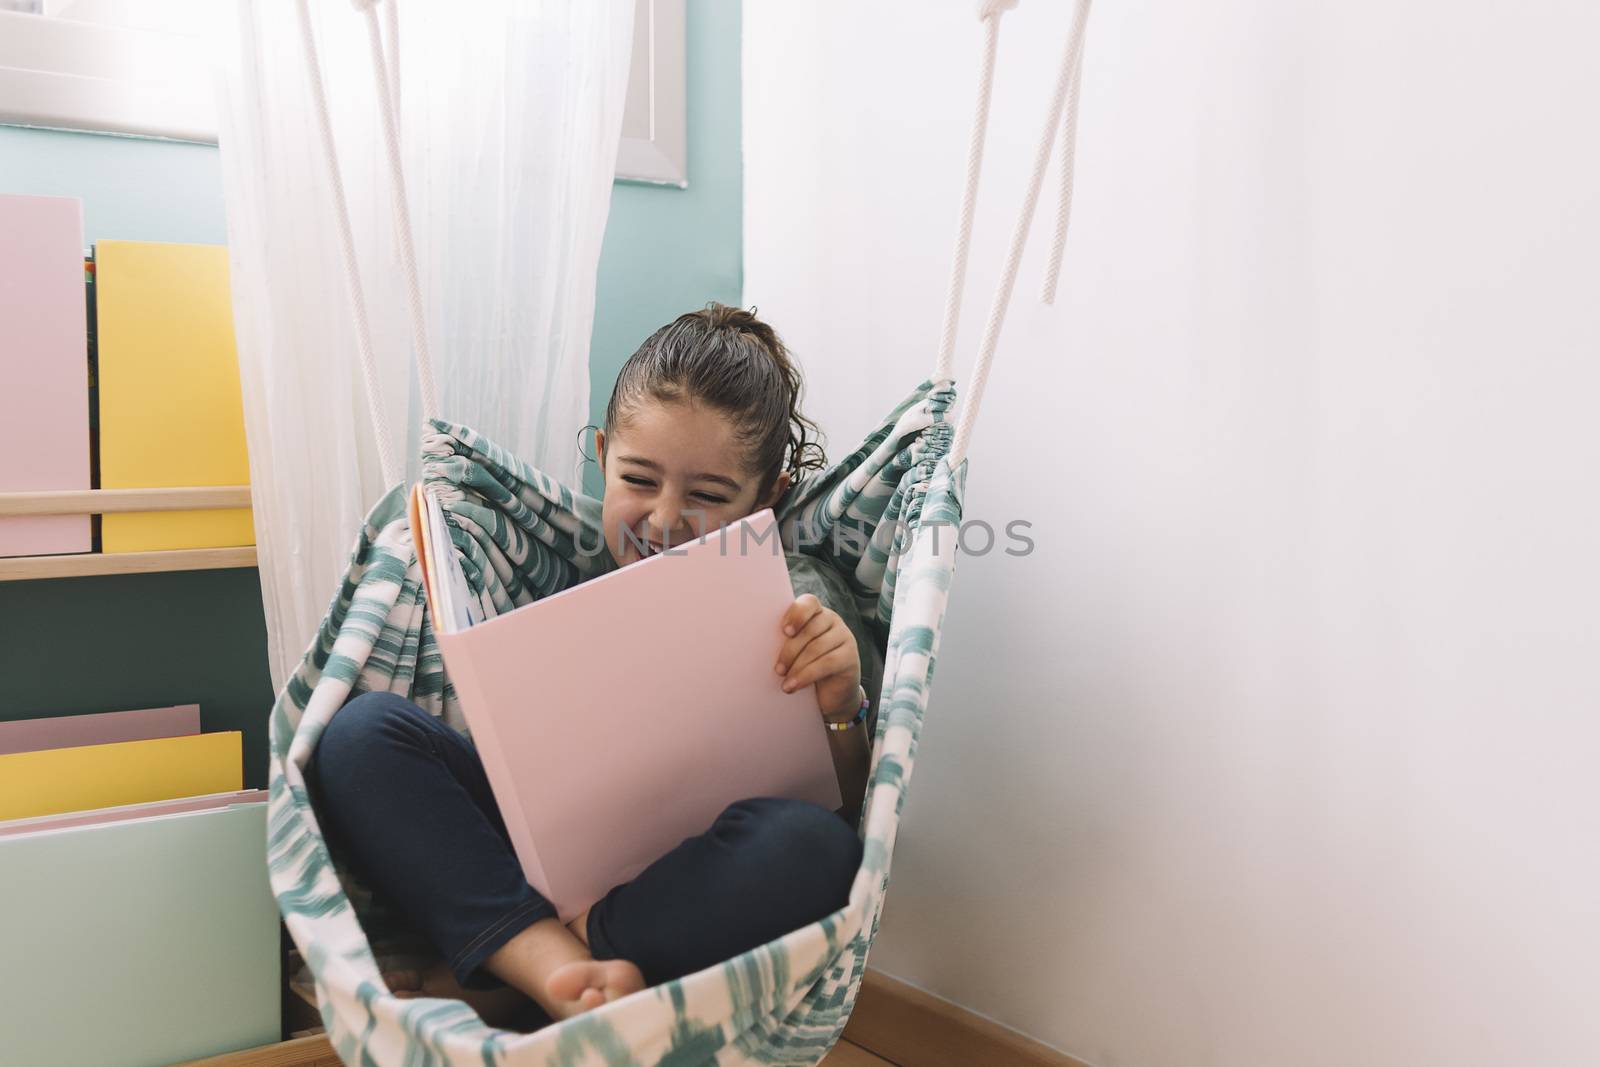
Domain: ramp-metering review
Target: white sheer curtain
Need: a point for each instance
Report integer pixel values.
(510, 114)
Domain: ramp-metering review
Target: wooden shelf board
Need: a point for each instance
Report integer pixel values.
(112, 501)
(27, 568)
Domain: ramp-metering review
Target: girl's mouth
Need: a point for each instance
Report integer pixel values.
(646, 549)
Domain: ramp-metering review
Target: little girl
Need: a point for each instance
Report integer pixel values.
(702, 429)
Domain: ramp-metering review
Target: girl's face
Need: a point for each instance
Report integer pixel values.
(673, 474)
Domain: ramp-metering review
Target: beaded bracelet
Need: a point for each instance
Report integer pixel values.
(855, 720)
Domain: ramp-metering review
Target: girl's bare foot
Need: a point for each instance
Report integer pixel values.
(588, 984)
(549, 963)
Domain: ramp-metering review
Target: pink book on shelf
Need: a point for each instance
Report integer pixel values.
(621, 716)
(151, 810)
(44, 365)
(102, 728)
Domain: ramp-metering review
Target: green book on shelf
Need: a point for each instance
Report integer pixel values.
(140, 943)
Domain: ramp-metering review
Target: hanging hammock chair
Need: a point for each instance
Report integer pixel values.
(518, 532)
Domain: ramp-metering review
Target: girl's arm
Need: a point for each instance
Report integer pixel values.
(820, 650)
(852, 759)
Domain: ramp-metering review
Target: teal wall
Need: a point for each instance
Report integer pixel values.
(670, 250)
(127, 641)
(132, 189)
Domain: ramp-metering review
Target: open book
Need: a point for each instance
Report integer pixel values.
(621, 716)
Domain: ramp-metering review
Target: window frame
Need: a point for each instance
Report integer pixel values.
(66, 74)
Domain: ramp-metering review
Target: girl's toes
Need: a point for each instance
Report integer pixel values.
(588, 984)
(622, 979)
(570, 981)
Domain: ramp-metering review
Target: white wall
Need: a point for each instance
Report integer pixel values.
(1282, 747)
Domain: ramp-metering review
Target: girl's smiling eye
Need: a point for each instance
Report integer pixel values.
(709, 498)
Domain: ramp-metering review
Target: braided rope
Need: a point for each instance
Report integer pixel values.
(1069, 159)
(943, 368)
(1019, 239)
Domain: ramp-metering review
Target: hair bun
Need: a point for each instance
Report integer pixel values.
(727, 357)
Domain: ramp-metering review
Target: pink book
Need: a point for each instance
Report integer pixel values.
(154, 809)
(44, 368)
(104, 728)
(621, 716)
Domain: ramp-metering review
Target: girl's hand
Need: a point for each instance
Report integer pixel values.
(820, 650)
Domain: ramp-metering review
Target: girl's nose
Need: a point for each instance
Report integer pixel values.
(664, 519)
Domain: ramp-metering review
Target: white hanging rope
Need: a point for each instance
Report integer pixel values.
(391, 48)
(1069, 159)
(1019, 240)
(402, 212)
(352, 274)
(943, 367)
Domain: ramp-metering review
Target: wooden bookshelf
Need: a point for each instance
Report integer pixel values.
(113, 501)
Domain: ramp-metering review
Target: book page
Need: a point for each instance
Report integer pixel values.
(454, 593)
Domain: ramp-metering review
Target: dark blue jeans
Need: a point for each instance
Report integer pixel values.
(404, 800)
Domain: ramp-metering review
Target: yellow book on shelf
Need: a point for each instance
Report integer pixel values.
(170, 408)
(60, 780)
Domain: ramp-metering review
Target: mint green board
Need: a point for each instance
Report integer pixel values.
(138, 944)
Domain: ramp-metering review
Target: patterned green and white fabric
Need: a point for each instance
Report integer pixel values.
(521, 536)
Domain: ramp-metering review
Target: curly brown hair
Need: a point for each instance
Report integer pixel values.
(727, 358)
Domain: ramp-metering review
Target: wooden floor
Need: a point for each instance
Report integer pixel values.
(315, 1052)
(845, 1054)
